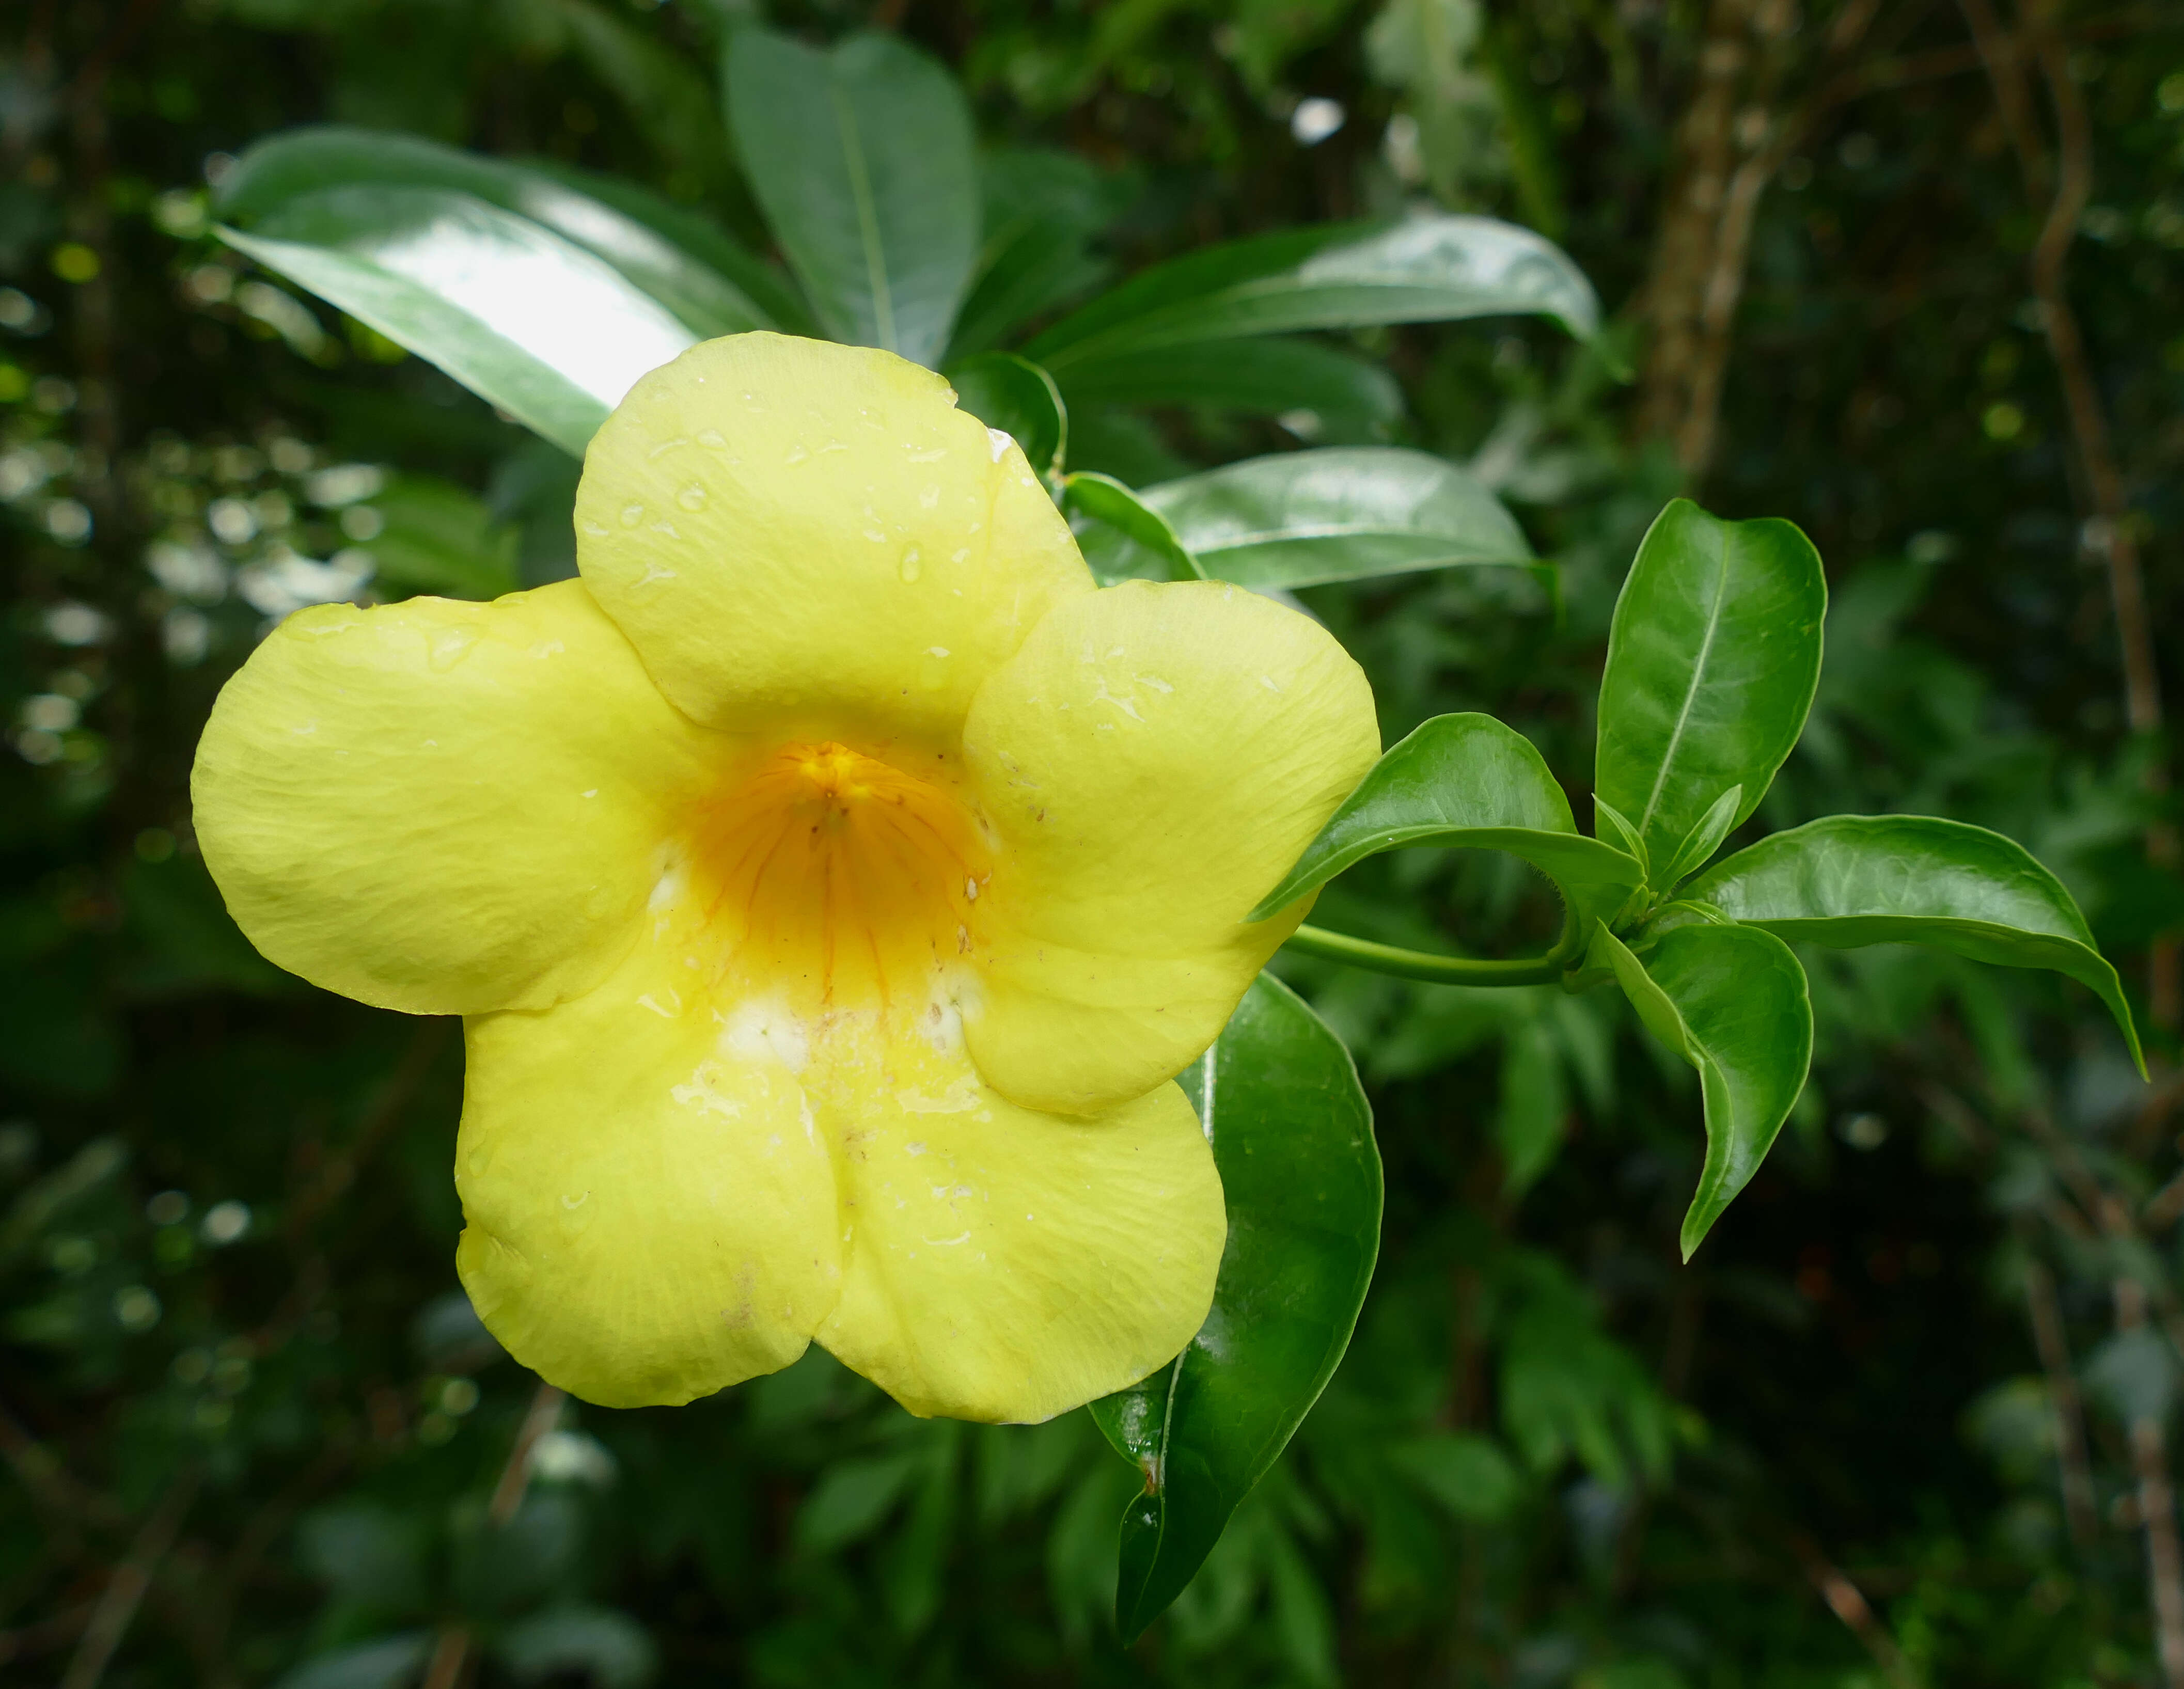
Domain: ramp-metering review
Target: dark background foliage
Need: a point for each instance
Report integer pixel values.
(1907, 1418)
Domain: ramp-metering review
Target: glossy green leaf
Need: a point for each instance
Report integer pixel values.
(1465, 780)
(1292, 1134)
(1122, 537)
(1610, 823)
(860, 158)
(1016, 395)
(1434, 267)
(487, 296)
(1873, 879)
(1732, 1001)
(687, 264)
(1712, 662)
(761, 282)
(1703, 839)
(1344, 513)
(1311, 385)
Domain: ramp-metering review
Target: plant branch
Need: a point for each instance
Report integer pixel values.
(1410, 964)
(451, 1649)
(2157, 1508)
(2052, 1343)
(124, 1590)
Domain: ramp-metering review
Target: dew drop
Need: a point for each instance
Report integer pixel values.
(710, 439)
(692, 498)
(797, 455)
(632, 515)
(912, 566)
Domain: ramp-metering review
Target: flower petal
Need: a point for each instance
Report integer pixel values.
(1008, 1266)
(1153, 759)
(443, 807)
(789, 530)
(650, 1209)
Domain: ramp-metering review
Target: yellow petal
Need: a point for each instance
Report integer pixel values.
(1007, 1266)
(1153, 760)
(443, 807)
(650, 1210)
(792, 532)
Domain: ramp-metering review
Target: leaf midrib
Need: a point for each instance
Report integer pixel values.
(1691, 692)
(867, 210)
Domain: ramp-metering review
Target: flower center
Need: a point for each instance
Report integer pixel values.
(840, 877)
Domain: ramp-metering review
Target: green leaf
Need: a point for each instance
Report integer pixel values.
(441, 538)
(1468, 1474)
(487, 296)
(1874, 879)
(1345, 513)
(770, 298)
(860, 158)
(602, 1647)
(1042, 209)
(1731, 1002)
(1016, 395)
(1711, 661)
(1122, 537)
(1465, 780)
(1610, 823)
(1270, 377)
(687, 263)
(1432, 267)
(1703, 839)
(1292, 1135)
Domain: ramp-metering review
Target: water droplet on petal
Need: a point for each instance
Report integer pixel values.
(912, 566)
(692, 498)
(632, 515)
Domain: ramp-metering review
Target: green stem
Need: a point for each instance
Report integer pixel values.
(1442, 970)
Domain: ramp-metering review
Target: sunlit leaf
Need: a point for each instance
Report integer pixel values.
(1873, 879)
(689, 265)
(489, 297)
(1292, 1134)
(860, 157)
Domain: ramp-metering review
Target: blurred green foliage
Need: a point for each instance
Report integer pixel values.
(1880, 1432)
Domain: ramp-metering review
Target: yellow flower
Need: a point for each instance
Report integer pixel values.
(832, 881)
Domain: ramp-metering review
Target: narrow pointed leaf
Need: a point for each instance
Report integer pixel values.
(523, 318)
(1016, 395)
(1292, 1134)
(1873, 879)
(1712, 662)
(1346, 513)
(1733, 1002)
(1465, 780)
(1267, 377)
(690, 265)
(1432, 267)
(1609, 823)
(860, 158)
(1704, 839)
(1122, 537)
